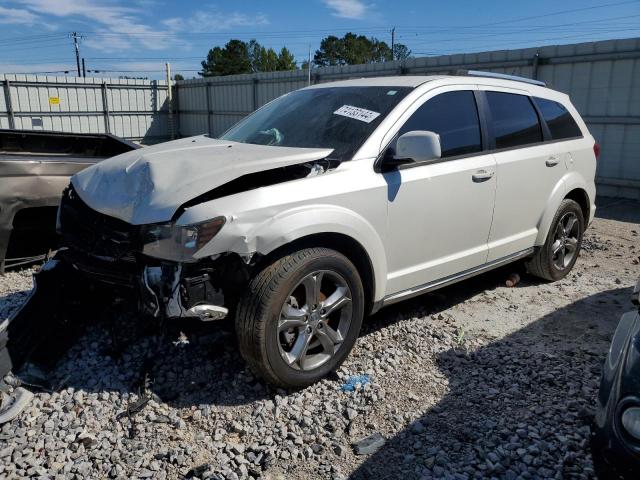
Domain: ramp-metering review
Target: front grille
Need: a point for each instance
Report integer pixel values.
(94, 233)
(102, 247)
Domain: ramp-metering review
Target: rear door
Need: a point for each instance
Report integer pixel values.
(440, 211)
(528, 170)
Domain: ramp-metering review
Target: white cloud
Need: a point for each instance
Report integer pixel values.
(347, 8)
(17, 16)
(118, 26)
(213, 21)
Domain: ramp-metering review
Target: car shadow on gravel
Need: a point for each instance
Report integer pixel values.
(187, 365)
(438, 301)
(196, 364)
(11, 302)
(521, 404)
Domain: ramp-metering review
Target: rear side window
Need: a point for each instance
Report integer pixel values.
(560, 122)
(453, 116)
(514, 121)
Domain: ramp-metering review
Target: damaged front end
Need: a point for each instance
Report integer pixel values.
(105, 262)
(124, 254)
(152, 266)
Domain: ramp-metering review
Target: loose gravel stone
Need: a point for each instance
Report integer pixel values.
(369, 445)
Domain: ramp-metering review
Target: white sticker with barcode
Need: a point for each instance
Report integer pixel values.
(357, 113)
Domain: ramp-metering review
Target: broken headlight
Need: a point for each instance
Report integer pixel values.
(178, 242)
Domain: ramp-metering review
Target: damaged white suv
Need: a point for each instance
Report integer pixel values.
(333, 201)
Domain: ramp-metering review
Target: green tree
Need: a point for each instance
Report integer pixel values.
(245, 57)
(351, 49)
(267, 60)
(232, 59)
(330, 52)
(286, 60)
(400, 52)
(177, 77)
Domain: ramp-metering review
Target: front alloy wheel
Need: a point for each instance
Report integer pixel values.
(314, 320)
(300, 316)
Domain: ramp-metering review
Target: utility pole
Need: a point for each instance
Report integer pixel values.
(84, 69)
(170, 100)
(75, 37)
(393, 43)
(309, 67)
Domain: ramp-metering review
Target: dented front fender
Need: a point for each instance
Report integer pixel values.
(265, 236)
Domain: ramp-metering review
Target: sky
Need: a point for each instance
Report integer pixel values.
(136, 37)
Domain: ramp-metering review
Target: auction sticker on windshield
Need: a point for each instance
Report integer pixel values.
(357, 113)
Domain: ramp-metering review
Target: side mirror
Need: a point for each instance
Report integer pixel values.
(418, 146)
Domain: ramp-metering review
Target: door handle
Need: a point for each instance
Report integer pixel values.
(482, 176)
(552, 161)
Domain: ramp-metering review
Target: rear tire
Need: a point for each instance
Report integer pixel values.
(555, 259)
(300, 317)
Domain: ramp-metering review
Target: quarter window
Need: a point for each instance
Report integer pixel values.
(514, 121)
(453, 116)
(560, 122)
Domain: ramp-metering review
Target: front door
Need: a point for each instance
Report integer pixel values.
(440, 212)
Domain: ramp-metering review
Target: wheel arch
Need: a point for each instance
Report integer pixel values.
(560, 193)
(341, 243)
(581, 197)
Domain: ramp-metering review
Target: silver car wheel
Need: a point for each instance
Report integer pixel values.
(565, 242)
(315, 320)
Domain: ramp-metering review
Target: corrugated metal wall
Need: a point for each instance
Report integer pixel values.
(603, 79)
(129, 108)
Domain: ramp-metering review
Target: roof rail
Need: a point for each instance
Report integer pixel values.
(478, 73)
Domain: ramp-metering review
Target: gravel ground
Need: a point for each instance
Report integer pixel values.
(474, 381)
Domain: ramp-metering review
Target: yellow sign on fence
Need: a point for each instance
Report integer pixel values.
(54, 100)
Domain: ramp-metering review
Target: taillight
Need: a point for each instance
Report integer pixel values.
(596, 150)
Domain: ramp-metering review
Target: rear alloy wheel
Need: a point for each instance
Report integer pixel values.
(300, 317)
(565, 241)
(555, 259)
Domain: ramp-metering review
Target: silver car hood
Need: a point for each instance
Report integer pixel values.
(148, 185)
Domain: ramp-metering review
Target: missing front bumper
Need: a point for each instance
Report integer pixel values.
(69, 292)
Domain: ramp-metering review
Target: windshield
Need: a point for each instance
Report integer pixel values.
(340, 118)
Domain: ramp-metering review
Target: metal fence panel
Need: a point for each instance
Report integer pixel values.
(602, 78)
(133, 109)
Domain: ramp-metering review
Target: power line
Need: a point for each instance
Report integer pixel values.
(527, 43)
(574, 10)
(308, 32)
(521, 31)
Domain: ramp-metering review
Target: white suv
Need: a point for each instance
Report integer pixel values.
(333, 201)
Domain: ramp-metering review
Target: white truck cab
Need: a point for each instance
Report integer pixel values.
(333, 201)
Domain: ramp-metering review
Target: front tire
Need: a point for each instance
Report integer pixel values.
(555, 259)
(300, 317)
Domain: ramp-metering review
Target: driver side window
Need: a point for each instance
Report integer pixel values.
(453, 116)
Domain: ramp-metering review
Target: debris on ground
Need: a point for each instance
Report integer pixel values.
(512, 280)
(355, 382)
(369, 445)
(182, 340)
(14, 403)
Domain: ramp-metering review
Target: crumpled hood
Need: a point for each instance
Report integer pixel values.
(148, 185)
